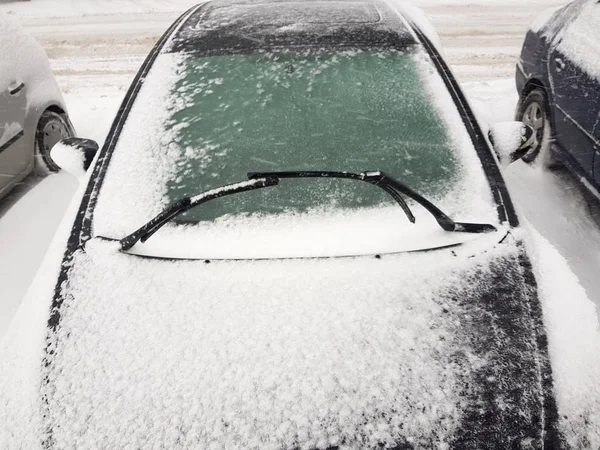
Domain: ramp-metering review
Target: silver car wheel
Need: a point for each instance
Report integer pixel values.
(52, 128)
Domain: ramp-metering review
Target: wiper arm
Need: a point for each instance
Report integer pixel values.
(187, 203)
(258, 180)
(392, 187)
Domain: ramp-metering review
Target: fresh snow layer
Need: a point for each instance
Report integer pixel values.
(313, 234)
(574, 339)
(22, 347)
(578, 41)
(348, 352)
(23, 61)
(145, 156)
(507, 138)
(69, 159)
(26, 231)
(418, 16)
(573, 344)
(542, 19)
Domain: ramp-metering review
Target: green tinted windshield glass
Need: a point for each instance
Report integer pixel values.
(344, 110)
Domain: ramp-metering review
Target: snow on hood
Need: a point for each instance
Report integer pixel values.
(317, 233)
(282, 354)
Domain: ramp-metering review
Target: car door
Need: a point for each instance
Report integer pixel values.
(576, 89)
(13, 103)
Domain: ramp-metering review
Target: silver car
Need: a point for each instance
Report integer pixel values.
(33, 116)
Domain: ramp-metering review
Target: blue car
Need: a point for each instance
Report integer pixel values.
(558, 81)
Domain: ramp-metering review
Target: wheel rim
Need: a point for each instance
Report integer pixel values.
(53, 132)
(534, 117)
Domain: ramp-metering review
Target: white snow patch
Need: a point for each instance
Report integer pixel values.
(224, 190)
(474, 189)
(574, 339)
(146, 155)
(259, 355)
(419, 17)
(22, 60)
(507, 137)
(318, 233)
(22, 347)
(542, 19)
(69, 159)
(579, 40)
(144, 158)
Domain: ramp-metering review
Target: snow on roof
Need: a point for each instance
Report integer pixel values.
(580, 39)
(14, 46)
(245, 24)
(286, 13)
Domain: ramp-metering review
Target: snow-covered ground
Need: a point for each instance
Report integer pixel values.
(96, 46)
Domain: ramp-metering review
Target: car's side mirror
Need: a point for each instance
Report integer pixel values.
(511, 141)
(74, 155)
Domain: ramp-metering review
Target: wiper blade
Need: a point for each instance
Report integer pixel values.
(258, 180)
(376, 178)
(394, 188)
(187, 203)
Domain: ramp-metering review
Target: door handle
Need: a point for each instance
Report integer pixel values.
(15, 90)
(560, 64)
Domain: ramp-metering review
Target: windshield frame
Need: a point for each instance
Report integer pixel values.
(83, 227)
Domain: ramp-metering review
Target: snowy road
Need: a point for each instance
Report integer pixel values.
(96, 47)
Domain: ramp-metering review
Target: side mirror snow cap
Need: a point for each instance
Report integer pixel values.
(74, 155)
(511, 141)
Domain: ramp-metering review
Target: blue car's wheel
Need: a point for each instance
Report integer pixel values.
(534, 113)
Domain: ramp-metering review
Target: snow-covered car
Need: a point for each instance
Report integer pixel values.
(33, 115)
(558, 80)
(297, 236)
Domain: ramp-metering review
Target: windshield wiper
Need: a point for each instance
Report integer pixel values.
(187, 203)
(258, 180)
(392, 187)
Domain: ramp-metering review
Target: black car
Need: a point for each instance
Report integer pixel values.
(296, 236)
(558, 81)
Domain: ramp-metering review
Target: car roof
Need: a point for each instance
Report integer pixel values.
(226, 26)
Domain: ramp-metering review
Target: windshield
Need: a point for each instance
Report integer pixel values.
(347, 110)
(201, 122)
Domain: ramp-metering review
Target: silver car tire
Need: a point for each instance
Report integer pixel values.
(52, 127)
(534, 113)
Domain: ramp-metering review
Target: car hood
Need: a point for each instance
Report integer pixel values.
(415, 350)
